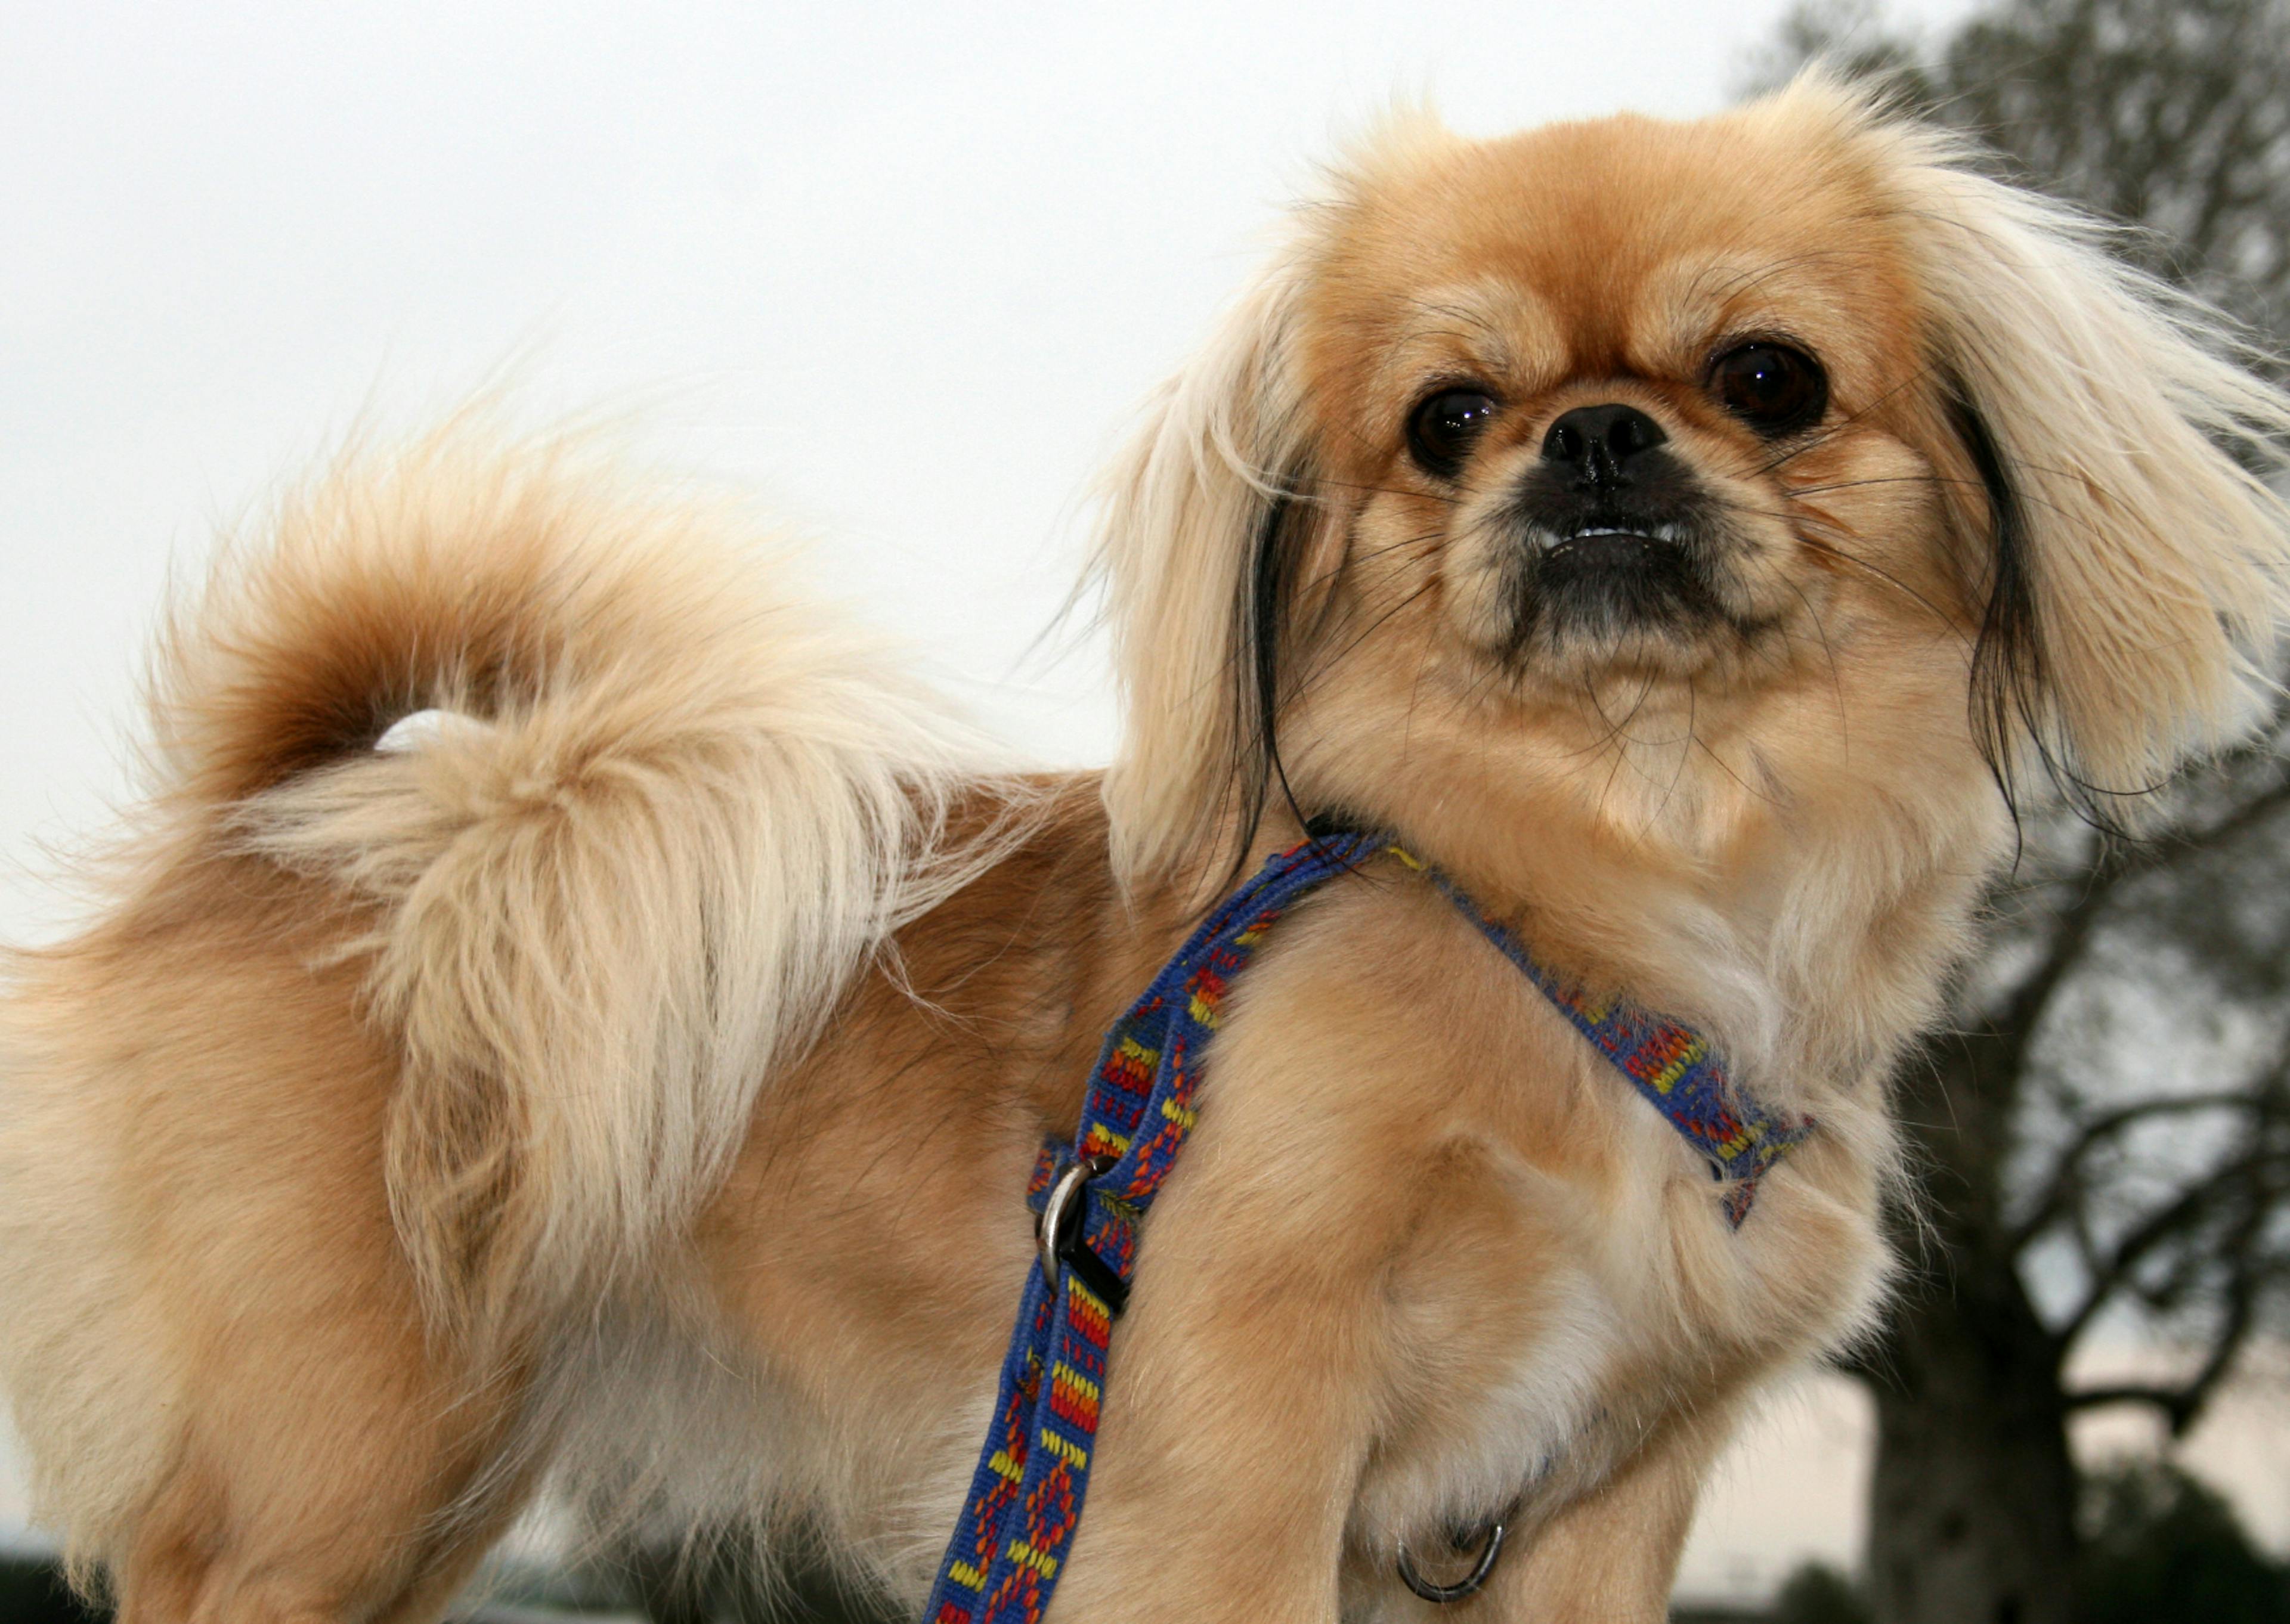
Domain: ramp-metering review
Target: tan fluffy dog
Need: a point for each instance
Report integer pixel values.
(1677, 531)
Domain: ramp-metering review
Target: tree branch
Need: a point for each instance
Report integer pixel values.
(2013, 1028)
(2183, 1404)
(2182, 842)
(2164, 1398)
(2189, 1208)
(2058, 1183)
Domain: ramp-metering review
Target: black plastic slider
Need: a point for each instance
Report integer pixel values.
(1092, 1271)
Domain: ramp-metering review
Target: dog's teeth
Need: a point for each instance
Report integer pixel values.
(1652, 533)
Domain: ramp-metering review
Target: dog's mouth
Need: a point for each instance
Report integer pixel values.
(1670, 534)
(1600, 545)
(1607, 577)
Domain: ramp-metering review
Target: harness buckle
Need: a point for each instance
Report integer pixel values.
(1057, 1234)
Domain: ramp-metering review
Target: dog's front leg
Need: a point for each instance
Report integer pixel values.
(1611, 1556)
(1246, 1379)
(1235, 1425)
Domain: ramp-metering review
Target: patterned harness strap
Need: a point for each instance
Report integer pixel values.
(1025, 1500)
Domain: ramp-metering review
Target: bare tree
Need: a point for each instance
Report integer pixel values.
(2104, 1136)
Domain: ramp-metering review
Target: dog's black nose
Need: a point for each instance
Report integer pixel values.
(1597, 441)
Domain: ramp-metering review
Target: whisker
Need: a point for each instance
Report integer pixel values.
(1678, 775)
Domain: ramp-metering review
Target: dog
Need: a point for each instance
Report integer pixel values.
(1694, 538)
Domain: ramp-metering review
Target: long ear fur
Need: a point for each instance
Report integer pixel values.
(2120, 452)
(1203, 513)
(1210, 516)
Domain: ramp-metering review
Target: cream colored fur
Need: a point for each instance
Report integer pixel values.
(81, 1348)
(632, 1071)
(679, 811)
(2113, 398)
(669, 806)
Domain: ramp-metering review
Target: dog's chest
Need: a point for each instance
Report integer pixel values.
(1589, 1320)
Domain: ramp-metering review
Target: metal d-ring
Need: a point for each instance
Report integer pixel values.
(1467, 1586)
(1062, 1208)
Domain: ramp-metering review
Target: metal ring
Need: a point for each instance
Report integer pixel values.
(1464, 1588)
(1062, 1206)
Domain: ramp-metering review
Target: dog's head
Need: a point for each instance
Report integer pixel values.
(1760, 440)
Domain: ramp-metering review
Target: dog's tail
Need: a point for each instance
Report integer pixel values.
(651, 809)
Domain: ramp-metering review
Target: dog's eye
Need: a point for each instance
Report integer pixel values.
(1442, 426)
(1773, 388)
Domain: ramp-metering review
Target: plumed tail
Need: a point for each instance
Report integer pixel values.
(665, 809)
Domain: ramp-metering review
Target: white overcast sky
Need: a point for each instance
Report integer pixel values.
(902, 271)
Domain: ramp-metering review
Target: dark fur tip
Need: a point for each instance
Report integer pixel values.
(2011, 691)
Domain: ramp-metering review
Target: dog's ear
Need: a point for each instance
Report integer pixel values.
(2112, 453)
(1206, 514)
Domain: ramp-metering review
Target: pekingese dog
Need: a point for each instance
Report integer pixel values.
(1688, 538)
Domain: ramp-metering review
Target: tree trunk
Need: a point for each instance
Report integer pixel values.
(1972, 1505)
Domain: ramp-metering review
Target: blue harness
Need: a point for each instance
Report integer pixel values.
(1025, 1500)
